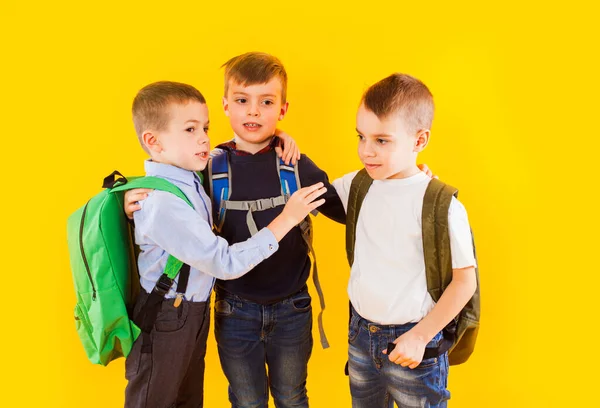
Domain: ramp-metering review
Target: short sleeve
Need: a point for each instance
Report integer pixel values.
(461, 239)
(342, 187)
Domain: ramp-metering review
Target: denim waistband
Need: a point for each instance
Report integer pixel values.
(224, 294)
(378, 328)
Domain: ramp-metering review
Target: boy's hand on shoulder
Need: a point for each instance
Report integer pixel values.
(409, 350)
(132, 197)
(427, 170)
(290, 151)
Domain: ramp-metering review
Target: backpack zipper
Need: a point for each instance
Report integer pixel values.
(87, 267)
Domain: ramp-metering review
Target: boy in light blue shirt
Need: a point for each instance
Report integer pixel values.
(166, 365)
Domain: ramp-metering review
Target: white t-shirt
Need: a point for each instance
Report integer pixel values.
(387, 281)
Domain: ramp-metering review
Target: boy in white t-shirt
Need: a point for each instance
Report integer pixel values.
(388, 286)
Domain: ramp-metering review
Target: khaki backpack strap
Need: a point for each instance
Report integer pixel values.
(358, 190)
(436, 237)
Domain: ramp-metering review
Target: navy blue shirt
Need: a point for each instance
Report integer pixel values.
(286, 271)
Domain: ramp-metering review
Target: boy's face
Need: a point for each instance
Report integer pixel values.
(254, 110)
(184, 142)
(385, 147)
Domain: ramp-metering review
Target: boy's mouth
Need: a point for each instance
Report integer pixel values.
(372, 166)
(203, 155)
(252, 126)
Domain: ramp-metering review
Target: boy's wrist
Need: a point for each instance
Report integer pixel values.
(420, 334)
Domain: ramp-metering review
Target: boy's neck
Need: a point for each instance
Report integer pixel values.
(153, 160)
(250, 147)
(406, 173)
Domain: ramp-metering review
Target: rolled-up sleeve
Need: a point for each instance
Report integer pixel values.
(179, 230)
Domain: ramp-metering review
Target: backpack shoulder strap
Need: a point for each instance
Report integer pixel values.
(288, 177)
(173, 265)
(155, 183)
(358, 190)
(436, 237)
(220, 186)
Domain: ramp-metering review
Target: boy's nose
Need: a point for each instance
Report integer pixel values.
(203, 139)
(253, 110)
(367, 151)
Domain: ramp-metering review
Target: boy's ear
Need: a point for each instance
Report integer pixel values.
(422, 140)
(226, 105)
(284, 109)
(151, 142)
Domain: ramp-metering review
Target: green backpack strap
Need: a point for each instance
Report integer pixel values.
(173, 265)
(358, 190)
(464, 328)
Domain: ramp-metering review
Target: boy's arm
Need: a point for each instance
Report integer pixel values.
(310, 174)
(175, 227)
(410, 347)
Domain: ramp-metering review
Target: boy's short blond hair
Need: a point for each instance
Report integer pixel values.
(150, 106)
(254, 68)
(403, 94)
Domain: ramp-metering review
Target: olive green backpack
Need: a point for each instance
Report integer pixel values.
(461, 333)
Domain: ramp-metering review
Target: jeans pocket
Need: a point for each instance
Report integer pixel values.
(431, 362)
(428, 363)
(353, 328)
(223, 307)
(301, 303)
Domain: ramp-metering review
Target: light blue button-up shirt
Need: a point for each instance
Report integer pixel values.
(168, 225)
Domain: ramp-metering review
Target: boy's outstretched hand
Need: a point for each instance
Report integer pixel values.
(290, 151)
(130, 203)
(300, 204)
(409, 350)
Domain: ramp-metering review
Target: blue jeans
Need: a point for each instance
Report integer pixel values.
(251, 337)
(376, 382)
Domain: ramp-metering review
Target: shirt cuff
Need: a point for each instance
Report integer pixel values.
(266, 242)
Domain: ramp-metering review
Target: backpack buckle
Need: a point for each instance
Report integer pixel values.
(163, 285)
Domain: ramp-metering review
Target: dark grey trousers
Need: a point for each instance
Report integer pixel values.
(171, 374)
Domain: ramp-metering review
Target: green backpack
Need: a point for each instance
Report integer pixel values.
(104, 265)
(460, 334)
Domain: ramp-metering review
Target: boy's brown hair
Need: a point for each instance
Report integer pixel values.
(150, 106)
(254, 68)
(403, 94)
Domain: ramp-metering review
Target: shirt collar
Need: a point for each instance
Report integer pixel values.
(170, 172)
(231, 146)
(417, 178)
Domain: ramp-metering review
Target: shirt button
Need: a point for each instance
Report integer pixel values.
(270, 247)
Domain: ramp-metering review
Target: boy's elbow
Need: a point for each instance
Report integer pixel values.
(467, 278)
(472, 281)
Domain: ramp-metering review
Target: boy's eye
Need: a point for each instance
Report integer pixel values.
(190, 129)
(241, 100)
(360, 137)
(267, 102)
(205, 130)
(382, 141)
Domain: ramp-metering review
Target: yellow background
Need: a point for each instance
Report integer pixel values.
(516, 90)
